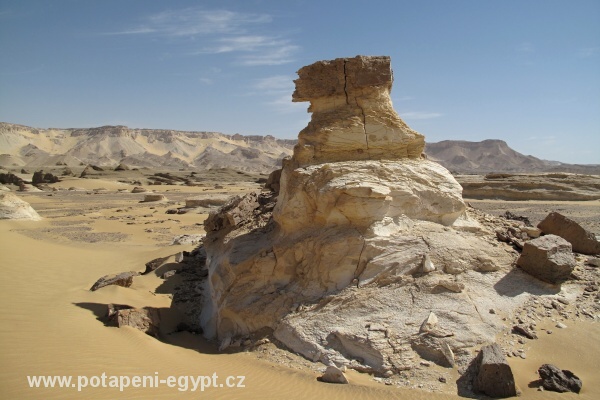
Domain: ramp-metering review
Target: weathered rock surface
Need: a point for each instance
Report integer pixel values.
(145, 319)
(494, 376)
(582, 241)
(365, 240)
(557, 380)
(548, 258)
(124, 279)
(12, 207)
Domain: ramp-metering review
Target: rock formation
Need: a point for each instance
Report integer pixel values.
(12, 207)
(366, 239)
(582, 241)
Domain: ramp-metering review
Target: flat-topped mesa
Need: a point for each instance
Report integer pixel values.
(353, 117)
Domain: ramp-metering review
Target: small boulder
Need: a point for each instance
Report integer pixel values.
(333, 375)
(493, 374)
(154, 197)
(138, 189)
(145, 319)
(153, 264)
(124, 279)
(582, 240)
(559, 380)
(548, 258)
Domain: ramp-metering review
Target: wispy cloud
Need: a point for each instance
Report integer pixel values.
(196, 21)
(219, 32)
(525, 47)
(277, 90)
(587, 52)
(420, 115)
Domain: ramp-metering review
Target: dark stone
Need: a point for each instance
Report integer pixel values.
(493, 375)
(548, 258)
(124, 279)
(557, 380)
(145, 319)
(153, 264)
(582, 241)
(520, 330)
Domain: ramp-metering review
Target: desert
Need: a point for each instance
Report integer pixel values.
(353, 254)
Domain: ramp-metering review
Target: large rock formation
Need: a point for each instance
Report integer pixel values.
(363, 242)
(12, 207)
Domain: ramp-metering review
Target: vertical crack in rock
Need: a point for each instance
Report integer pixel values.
(364, 120)
(358, 271)
(476, 309)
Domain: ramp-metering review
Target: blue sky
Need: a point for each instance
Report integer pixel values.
(525, 71)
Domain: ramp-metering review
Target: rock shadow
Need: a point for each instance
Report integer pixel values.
(169, 329)
(517, 282)
(464, 384)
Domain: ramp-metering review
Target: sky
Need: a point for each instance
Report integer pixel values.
(524, 71)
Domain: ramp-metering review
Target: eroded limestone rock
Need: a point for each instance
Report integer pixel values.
(12, 207)
(347, 263)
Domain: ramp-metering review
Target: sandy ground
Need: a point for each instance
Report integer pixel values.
(50, 320)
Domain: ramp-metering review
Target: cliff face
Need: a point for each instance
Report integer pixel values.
(112, 145)
(351, 255)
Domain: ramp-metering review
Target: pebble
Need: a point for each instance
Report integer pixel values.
(560, 325)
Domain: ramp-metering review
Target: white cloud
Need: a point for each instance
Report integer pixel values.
(420, 115)
(219, 32)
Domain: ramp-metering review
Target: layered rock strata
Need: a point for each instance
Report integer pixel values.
(362, 243)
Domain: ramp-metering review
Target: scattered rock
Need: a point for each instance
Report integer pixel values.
(124, 279)
(560, 325)
(206, 201)
(581, 240)
(548, 258)
(521, 330)
(138, 189)
(145, 319)
(494, 376)
(511, 216)
(557, 380)
(333, 375)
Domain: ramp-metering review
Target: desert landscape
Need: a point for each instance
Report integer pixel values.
(356, 254)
